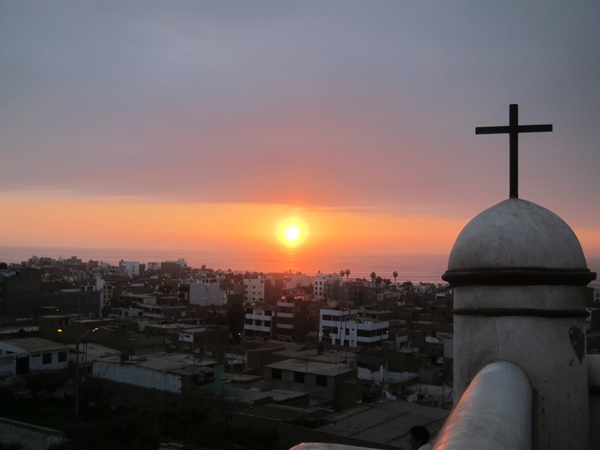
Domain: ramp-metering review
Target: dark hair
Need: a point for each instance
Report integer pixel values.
(420, 434)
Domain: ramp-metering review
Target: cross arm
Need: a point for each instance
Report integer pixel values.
(492, 130)
(534, 128)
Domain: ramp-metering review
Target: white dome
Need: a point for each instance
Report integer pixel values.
(515, 234)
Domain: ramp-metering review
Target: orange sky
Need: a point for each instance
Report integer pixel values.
(109, 223)
(199, 126)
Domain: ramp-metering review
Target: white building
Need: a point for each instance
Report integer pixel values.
(259, 320)
(173, 372)
(32, 354)
(130, 268)
(254, 290)
(206, 291)
(153, 266)
(285, 319)
(320, 280)
(348, 328)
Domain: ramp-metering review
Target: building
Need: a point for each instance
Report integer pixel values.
(153, 267)
(206, 291)
(129, 268)
(259, 320)
(20, 292)
(293, 318)
(171, 372)
(519, 276)
(320, 281)
(21, 356)
(254, 290)
(348, 328)
(174, 267)
(320, 380)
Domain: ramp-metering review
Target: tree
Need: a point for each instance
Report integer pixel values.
(373, 276)
(347, 274)
(342, 273)
(395, 274)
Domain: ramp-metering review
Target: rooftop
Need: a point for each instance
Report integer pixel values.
(165, 362)
(318, 368)
(385, 423)
(34, 345)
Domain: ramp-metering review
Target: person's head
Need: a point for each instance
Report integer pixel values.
(418, 436)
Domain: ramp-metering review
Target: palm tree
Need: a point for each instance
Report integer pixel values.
(342, 273)
(373, 276)
(395, 274)
(347, 274)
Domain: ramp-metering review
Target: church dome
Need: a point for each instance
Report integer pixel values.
(517, 242)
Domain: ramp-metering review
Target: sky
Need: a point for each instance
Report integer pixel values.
(186, 124)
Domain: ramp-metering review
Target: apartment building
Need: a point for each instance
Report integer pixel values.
(351, 329)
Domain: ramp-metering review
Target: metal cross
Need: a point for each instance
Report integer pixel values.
(513, 130)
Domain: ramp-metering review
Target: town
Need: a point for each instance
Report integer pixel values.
(284, 352)
(323, 357)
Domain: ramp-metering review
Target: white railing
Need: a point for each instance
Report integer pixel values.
(494, 412)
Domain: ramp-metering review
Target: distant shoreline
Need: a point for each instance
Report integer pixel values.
(416, 268)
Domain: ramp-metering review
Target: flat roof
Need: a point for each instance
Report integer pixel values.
(318, 368)
(278, 396)
(95, 351)
(165, 362)
(276, 412)
(34, 345)
(385, 423)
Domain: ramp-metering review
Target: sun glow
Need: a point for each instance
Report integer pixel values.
(292, 231)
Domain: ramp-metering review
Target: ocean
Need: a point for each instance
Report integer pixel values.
(410, 267)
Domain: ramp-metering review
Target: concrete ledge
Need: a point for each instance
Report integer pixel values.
(494, 412)
(319, 446)
(30, 436)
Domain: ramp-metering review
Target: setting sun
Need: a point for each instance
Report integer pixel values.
(292, 231)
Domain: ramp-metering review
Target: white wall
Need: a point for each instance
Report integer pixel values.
(37, 360)
(131, 373)
(205, 294)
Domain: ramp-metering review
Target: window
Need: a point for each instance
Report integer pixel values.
(322, 380)
(276, 374)
(298, 377)
(47, 358)
(62, 356)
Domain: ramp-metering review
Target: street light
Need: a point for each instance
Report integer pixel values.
(77, 341)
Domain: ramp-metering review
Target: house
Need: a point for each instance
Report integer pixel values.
(171, 372)
(320, 380)
(20, 356)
